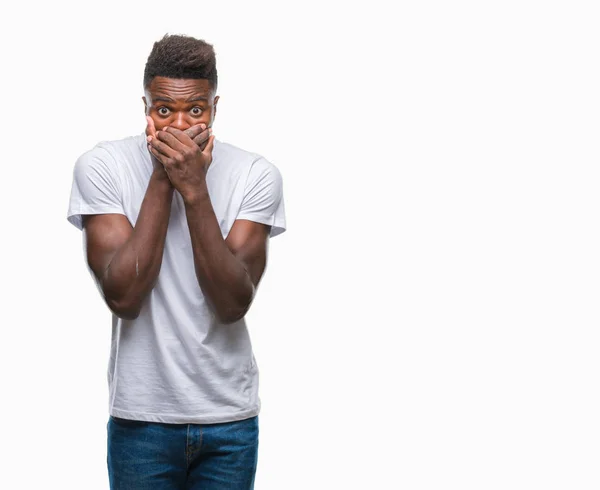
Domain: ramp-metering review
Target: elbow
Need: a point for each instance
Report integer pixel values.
(125, 310)
(238, 312)
(127, 314)
(231, 319)
(233, 315)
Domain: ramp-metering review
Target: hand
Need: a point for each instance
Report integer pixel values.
(199, 134)
(200, 138)
(185, 163)
(150, 134)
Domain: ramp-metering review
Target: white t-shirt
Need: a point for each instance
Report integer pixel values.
(176, 363)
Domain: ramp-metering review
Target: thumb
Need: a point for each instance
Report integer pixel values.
(209, 146)
(150, 129)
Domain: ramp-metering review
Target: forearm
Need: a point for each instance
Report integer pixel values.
(133, 270)
(221, 276)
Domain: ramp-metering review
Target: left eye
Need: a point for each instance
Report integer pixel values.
(196, 111)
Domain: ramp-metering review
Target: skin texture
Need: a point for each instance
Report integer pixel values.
(126, 260)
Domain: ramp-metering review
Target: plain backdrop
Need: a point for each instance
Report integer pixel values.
(430, 320)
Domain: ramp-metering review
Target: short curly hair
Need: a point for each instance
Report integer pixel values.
(177, 56)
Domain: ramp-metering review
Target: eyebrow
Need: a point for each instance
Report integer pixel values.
(192, 99)
(162, 99)
(197, 98)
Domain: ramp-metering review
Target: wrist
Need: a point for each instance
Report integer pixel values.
(196, 195)
(195, 200)
(159, 175)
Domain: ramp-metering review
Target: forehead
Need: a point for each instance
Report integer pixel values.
(179, 88)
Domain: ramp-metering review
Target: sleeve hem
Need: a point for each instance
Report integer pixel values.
(75, 218)
(276, 228)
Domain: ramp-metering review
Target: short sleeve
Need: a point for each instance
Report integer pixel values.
(95, 188)
(263, 197)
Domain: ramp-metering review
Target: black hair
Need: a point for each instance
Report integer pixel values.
(176, 56)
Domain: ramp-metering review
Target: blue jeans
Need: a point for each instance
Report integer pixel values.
(157, 456)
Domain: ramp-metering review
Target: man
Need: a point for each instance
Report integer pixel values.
(176, 226)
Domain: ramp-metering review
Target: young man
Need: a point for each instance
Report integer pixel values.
(176, 226)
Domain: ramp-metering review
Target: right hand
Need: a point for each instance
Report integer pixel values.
(151, 133)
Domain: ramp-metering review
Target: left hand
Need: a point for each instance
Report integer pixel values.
(184, 161)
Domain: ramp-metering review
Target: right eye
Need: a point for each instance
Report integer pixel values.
(163, 111)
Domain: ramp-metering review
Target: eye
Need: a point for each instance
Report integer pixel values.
(163, 111)
(196, 111)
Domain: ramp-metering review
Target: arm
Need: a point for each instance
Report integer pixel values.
(228, 271)
(126, 260)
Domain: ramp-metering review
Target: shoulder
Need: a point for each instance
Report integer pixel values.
(112, 149)
(230, 157)
(249, 163)
(125, 148)
(111, 155)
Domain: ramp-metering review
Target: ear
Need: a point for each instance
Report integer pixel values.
(145, 105)
(215, 105)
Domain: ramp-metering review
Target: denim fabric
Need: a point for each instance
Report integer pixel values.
(158, 456)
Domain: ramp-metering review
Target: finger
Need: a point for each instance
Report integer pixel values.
(195, 130)
(150, 128)
(163, 159)
(163, 147)
(154, 151)
(202, 138)
(209, 147)
(176, 139)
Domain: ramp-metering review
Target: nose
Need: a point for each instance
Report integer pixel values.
(179, 123)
